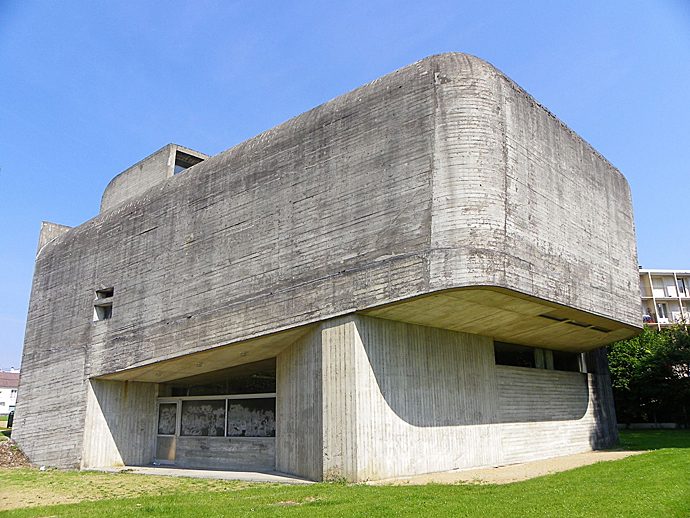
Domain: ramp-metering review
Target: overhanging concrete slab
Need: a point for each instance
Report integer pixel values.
(508, 316)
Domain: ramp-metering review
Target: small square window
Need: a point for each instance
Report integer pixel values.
(103, 304)
(105, 293)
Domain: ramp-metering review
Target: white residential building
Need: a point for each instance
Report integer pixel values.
(665, 297)
(9, 381)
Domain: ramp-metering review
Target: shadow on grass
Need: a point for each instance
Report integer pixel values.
(6, 433)
(654, 439)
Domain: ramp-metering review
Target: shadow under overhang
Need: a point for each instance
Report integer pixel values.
(508, 316)
(209, 360)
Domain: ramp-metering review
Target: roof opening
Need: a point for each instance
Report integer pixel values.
(185, 161)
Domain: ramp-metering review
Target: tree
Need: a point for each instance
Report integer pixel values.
(676, 356)
(650, 375)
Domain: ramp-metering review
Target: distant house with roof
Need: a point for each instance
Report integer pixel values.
(9, 381)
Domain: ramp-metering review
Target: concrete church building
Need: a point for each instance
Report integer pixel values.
(416, 276)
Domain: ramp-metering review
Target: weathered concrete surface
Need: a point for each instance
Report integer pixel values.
(120, 423)
(299, 408)
(143, 175)
(382, 399)
(441, 175)
(227, 453)
(49, 231)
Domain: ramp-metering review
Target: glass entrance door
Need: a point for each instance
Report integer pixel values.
(166, 440)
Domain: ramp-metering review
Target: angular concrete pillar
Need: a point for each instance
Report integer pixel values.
(120, 426)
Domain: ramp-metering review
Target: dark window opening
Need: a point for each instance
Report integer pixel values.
(595, 361)
(237, 401)
(185, 161)
(103, 305)
(553, 317)
(566, 361)
(578, 324)
(251, 378)
(514, 355)
(103, 312)
(105, 293)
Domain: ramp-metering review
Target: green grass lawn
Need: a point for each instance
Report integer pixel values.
(654, 439)
(652, 484)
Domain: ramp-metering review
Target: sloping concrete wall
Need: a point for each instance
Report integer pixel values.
(424, 400)
(49, 232)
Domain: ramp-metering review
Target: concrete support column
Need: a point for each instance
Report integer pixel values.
(340, 350)
(120, 425)
(316, 410)
(384, 399)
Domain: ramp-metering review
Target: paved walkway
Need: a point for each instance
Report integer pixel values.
(512, 473)
(246, 476)
(499, 475)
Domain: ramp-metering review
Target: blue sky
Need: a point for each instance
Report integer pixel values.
(88, 88)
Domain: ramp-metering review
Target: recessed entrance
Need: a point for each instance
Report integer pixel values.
(223, 419)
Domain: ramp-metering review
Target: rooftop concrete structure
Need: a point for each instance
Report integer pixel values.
(368, 256)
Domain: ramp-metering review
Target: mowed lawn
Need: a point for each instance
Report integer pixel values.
(653, 484)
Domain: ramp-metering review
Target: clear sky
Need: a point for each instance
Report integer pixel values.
(88, 88)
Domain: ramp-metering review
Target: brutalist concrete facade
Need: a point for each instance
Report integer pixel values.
(377, 246)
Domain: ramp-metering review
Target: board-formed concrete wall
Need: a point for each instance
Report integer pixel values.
(228, 453)
(522, 202)
(441, 175)
(299, 424)
(137, 179)
(143, 175)
(399, 399)
(120, 424)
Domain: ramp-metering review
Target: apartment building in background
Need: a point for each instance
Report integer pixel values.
(665, 297)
